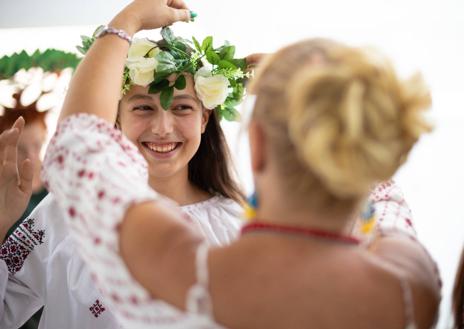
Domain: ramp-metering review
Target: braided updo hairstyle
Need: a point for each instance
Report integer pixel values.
(339, 119)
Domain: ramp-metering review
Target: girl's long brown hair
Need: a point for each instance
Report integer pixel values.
(211, 167)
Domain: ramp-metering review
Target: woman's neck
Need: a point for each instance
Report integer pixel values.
(278, 207)
(306, 218)
(179, 189)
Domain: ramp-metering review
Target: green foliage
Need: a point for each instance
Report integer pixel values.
(157, 87)
(125, 81)
(86, 43)
(230, 113)
(181, 82)
(197, 44)
(51, 60)
(212, 57)
(207, 43)
(166, 97)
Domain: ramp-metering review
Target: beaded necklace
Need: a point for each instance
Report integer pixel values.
(259, 226)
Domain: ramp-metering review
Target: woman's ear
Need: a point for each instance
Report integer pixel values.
(257, 139)
(204, 119)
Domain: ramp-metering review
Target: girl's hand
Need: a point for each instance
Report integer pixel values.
(150, 14)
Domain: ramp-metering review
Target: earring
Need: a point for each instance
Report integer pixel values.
(368, 218)
(250, 206)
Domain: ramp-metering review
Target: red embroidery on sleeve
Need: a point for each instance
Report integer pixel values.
(19, 245)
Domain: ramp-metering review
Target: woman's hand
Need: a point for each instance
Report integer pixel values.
(253, 60)
(150, 14)
(15, 179)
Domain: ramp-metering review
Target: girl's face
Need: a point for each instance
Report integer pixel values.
(168, 139)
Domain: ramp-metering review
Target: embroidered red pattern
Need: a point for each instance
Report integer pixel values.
(97, 308)
(19, 245)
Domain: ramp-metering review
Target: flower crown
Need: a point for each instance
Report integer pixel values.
(35, 82)
(219, 77)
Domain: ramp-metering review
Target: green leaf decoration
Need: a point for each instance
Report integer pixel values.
(238, 92)
(166, 58)
(166, 97)
(219, 114)
(81, 50)
(167, 34)
(166, 66)
(125, 81)
(160, 76)
(227, 52)
(224, 64)
(230, 113)
(240, 63)
(197, 44)
(207, 43)
(212, 57)
(181, 82)
(179, 45)
(86, 44)
(159, 86)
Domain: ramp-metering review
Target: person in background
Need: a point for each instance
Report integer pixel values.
(30, 87)
(30, 144)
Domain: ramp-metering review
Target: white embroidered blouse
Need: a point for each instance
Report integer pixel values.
(40, 265)
(95, 203)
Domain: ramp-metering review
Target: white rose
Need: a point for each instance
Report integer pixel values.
(142, 70)
(140, 48)
(212, 90)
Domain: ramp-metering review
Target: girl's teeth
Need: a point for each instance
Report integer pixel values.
(161, 148)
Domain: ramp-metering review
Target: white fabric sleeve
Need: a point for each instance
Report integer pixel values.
(95, 174)
(391, 209)
(23, 258)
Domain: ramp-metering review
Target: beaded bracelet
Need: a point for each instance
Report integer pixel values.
(105, 30)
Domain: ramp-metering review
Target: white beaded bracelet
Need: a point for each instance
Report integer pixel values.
(104, 30)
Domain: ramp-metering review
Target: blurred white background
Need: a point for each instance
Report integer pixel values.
(425, 35)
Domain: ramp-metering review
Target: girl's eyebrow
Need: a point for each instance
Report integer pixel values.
(139, 96)
(183, 96)
(148, 97)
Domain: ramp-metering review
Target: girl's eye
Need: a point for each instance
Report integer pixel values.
(142, 108)
(182, 108)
